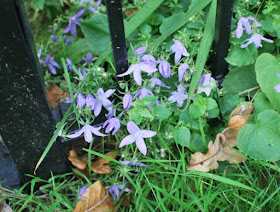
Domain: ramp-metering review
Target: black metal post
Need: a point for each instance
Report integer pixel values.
(116, 26)
(26, 123)
(222, 35)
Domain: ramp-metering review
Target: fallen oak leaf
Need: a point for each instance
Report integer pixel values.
(76, 161)
(221, 150)
(95, 199)
(99, 166)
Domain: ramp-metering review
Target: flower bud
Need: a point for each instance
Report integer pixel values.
(127, 99)
(164, 69)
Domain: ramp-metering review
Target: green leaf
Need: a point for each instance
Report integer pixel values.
(267, 67)
(146, 29)
(160, 112)
(198, 107)
(196, 143)
(197, 7)
(145, 113)
(149, 100)
(228, 104)
(169, 22)
(182, 136)
(242, 56)
(211, 104)
(96, 30)
(261, 103)
(206, 43)
(156, 19)
(240, 79)
(261, 141)
(189, 121)
(134, 116)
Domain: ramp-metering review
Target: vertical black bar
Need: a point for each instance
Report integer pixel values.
(222, 35)
(116, 26)
(26, 123)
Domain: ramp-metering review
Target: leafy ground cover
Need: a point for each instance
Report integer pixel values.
(173, 138)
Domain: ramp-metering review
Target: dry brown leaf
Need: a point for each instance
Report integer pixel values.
(55, 95)
(95, 199)
(221, 150)
(76, 161)
(99, 166)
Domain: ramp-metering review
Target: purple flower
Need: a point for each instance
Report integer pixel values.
(81, 100)
(140, 50)
(68, 64)
(87, 130)
(103, 97)
(89, 58)
(256, 39)
(69, 100)
(68, 40)
(52, 65)
(155, 81)
(136, 69)
(179, 96)
(179, 50)
(91, 102)
(82, 191)
(205, 84)
(113, 123)
(245, 22)
(182, 70)
(164, 69)
(137, 135)
(149, 59)
(82, 74)
(136, 164)
(142, 93)
(127, 99)
(92, 9)
(73, 21)
(114, 190)
(54, 38)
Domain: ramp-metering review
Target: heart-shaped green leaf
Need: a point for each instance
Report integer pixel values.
(182, 136)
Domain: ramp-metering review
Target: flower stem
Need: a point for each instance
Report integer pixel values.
(202, 131)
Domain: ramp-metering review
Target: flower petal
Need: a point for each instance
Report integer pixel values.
(132, 127)
(127, 140)
(140, 143)
(137, 77)
(147, 133)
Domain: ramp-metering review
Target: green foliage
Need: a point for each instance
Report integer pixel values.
(242, 56)
(160, 112)
(239, 79)
(227, 105)
(262, 103)
(182, 136)
(267, 67)
(261, 140)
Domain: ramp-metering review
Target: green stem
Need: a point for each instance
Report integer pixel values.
(202, 131)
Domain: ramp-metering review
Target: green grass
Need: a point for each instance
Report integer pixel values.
(165, 186)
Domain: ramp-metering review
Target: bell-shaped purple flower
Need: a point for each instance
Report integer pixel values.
(103, 97)
(127, 100)
(149, 59)
(142, 93)
(137, 135)
(164, 69)
(87, 130)
(89, 58)
(140, 50)
(113, 123)
(81, 100)
(179, 50)
(91, 102)
(256, 39)
(245, 22)
(73, 21)
(155, 81)
(114, 190)
(54, 38)
(51, 64)
(206, 84)
(182, 70)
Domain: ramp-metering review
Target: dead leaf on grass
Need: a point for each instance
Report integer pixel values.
(97, 166)
(221, 150)
(95, 199)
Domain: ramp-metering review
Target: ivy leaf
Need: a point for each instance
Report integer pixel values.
(261, 141)
(267, 67)
(160, 112)
(242, 56)
(240, 79)
(261, 103)
(182, 136)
